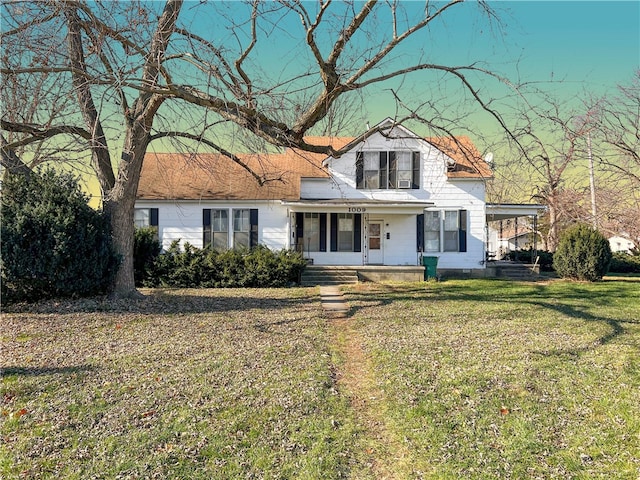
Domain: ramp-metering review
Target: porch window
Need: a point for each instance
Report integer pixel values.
(388, 170)
(311, 232)
(345, 232)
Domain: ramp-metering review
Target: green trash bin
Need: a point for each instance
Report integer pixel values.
(430, 267)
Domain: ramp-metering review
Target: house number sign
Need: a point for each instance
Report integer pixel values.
(357, 209)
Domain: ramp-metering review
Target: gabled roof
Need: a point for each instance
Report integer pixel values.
(468, 163)
(212, 176)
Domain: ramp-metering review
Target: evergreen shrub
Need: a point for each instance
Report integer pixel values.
(582, 254)
(624, 263)
(191, 267)
(146, 249)
(53, 243)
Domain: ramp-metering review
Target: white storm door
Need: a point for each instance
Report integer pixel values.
(375, 242)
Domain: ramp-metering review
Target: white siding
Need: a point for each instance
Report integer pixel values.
(183, 219)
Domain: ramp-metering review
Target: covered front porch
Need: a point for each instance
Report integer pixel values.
(356, 233)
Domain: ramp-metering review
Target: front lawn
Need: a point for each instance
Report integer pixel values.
(459, 379)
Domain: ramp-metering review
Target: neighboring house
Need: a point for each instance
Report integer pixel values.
(621, 244)
(392, 198)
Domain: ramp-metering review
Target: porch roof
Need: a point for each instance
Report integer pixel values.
(359, 205)
(504, 211)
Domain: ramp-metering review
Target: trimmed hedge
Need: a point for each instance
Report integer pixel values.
(191, 267)
(53, 243)
(624, 263)
(582, 254)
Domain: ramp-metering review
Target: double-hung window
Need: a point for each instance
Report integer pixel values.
(241, 228)
(387, 170)
(450, 232)
(220, 229)
(311, 232)
(431, 231)
(243, 223)
(345, 232)
(145, 217)
(442, 231)
(372, 170)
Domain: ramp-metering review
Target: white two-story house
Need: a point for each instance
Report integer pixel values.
(391, 199)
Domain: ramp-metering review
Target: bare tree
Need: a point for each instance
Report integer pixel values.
(118, 75)
(553, 135)
(619, 129)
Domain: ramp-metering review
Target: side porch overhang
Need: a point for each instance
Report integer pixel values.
(506, 227)
(505, 211)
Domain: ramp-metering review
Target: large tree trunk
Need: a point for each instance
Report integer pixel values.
(120, 208)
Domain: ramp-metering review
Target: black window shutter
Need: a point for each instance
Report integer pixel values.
(334, 232)
(359, 170)
(357, 232)
(462, 231)
(299, 226)
(153, 220)
(420, 232)
(323, 232)
(392, 170)
(415, 183)
(383, 175)
(253, 235)
(206, 227)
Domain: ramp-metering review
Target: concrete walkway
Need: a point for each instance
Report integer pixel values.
(333, 302)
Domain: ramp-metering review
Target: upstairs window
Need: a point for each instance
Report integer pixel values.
(387, 170)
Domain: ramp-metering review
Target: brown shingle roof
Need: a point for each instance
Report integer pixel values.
(214, 176)
(209, 176)
(469, 162)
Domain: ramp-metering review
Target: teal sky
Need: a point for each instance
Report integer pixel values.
(566, 48)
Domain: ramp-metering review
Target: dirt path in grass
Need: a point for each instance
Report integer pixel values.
(387, 457)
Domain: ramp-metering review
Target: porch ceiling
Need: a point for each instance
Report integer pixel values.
(366, 205)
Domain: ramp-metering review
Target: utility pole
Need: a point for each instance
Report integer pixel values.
(592, 182)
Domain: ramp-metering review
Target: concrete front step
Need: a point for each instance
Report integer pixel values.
(328, 276)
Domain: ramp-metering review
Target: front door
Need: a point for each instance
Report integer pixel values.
(375, 242)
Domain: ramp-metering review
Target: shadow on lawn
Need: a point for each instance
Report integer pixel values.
(37, 371)
(174, 301)
(572, 301)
